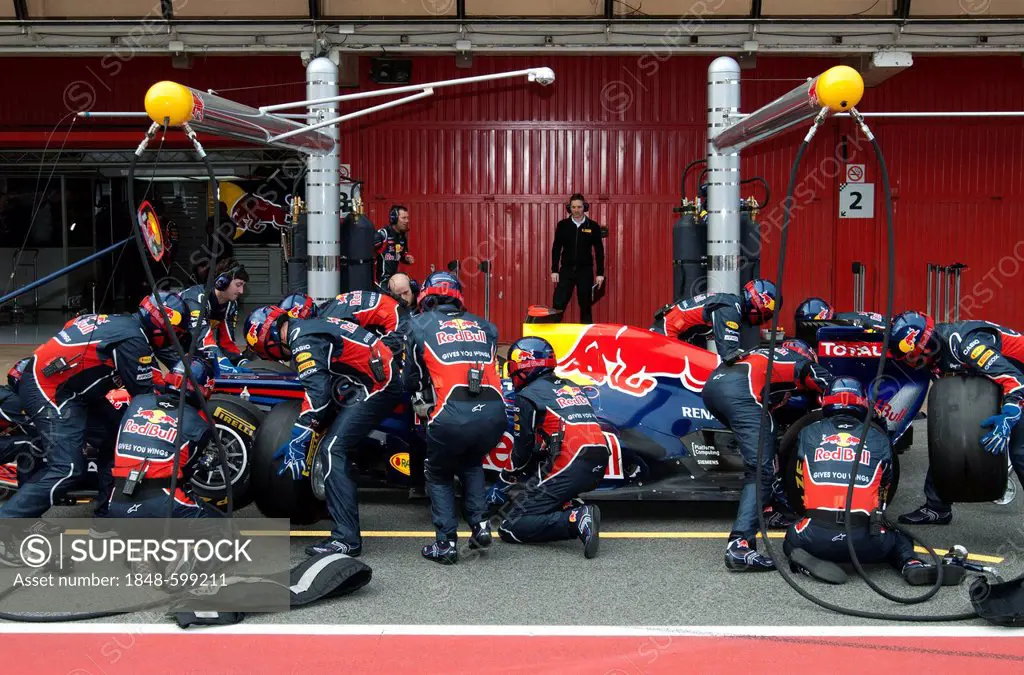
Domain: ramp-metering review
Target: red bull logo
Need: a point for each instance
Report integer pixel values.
(253, 213)
(465, 331)
(907, 343)
(568, 396)
(840, 455)
(628, 360)
(158, 425)
(841, 439)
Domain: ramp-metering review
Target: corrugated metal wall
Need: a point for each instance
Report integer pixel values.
(486, 169)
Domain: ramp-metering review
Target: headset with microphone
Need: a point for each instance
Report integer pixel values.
(393, 213)
(222, 282)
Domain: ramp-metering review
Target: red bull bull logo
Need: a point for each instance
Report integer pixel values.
(841, 439)
(631, 360)
(907, 344)
(254, 213)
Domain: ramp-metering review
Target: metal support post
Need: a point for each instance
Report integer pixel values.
(723, 179)
(938, 292)
(485, 267)
(859, 287)
(947, 278)
(323, 196)
(957, 268)
(928, 311)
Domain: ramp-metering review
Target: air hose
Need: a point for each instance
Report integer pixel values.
(872, 397)
(182, 394)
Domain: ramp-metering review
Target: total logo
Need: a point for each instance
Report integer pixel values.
(850, 349)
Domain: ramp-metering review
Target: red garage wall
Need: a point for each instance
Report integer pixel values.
(486, 169)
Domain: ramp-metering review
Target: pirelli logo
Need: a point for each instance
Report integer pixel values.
(232, 420)
(306, 366)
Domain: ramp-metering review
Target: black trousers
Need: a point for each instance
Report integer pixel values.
(583, 282)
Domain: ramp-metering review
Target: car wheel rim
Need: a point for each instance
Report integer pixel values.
(212, 479)
(317, 479)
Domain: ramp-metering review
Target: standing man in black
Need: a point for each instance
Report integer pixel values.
(572, 263)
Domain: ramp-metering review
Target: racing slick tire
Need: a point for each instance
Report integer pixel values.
(961, 468)
(260, 365)
(236, 422)
(280, 496)
(793, 485)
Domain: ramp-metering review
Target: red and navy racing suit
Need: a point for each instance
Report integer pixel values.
(824, 459)
(447, 348)
(733, 395)
(390, 248)
(217, 334)
(64, 393)
(696, 318)
(868, 320)
(146, 443)
(550, 406)
(987, 349)
(351, 385)
(375, 311)
(19, 444)
(381, 314)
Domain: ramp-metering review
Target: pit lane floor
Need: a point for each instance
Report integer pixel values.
(660, 564)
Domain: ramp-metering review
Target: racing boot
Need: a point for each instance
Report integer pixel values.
(802, 562)
(926, 515)
(443, 552)
(480, 537)
(776, 519)
(741, 557)
(588, 528)
(332, 545)
(917, 573)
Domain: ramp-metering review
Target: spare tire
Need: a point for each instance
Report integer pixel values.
(962, 470)
(280, 496)
(236, 423)
(269, 367)
(787, 462)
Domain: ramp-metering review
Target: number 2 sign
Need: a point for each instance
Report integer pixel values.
(857, 200)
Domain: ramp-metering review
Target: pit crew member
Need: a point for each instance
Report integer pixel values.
(299, 306)
(217, 335)
(451, 374)
(813, 309)
(572, 460)
(146, 445)
(17, 435)
(391, 246)
(977, 347)
(351, 386)
(65, 385)
(719, 315)
(824, 459)
(733, 394)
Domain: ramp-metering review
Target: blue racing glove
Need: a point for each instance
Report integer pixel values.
(497, 495)
(998, 440)
(293, 453)
(225, 366)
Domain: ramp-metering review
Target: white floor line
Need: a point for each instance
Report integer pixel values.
(885, 631)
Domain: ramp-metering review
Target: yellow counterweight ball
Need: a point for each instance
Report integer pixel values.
(839, 88)
(169, 101)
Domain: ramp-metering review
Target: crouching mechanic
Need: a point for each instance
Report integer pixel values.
(977, 347)
(576, 454)
(331, 356)
(824, 458)
(19, 445)
(817, 309)
(452, 376)
(718, 315)
(733, 394)
(146, 445)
